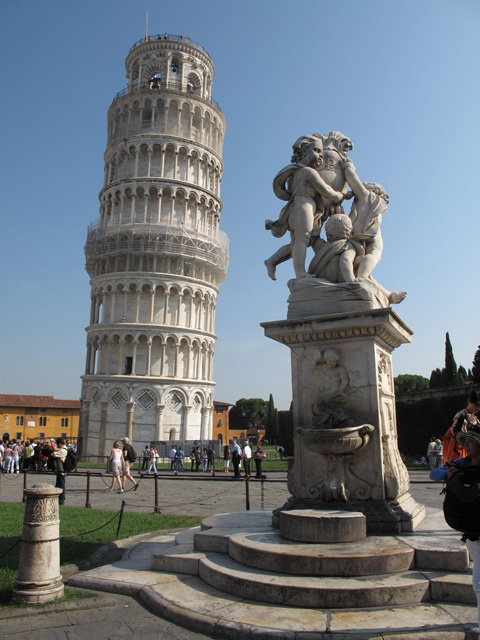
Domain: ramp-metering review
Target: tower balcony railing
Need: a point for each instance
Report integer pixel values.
(167, 86)
(147, 238)
(170, 37)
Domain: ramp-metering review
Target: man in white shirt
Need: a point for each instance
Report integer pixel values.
(247, 456)
(173, 457)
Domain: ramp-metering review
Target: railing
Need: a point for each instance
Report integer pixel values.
(168, 86)
(170, 37)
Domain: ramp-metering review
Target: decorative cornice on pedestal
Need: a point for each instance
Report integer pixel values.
(384, 324)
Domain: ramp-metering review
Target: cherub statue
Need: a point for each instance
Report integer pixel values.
(300, 184)
(339, 259)
(369, 204)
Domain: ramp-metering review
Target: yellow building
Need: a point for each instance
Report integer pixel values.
(39, 417)
(221, 427)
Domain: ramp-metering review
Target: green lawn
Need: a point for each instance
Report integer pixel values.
(73, 521)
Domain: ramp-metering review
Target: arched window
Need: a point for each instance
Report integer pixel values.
(155, 81)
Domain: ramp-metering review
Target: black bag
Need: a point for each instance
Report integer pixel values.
(131, 454)
(71, 461)
(461, 506)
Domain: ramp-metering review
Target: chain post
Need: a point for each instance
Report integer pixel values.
(24, 499)
(247, 493)
(120, 519)
(87, 500)
(156, 508)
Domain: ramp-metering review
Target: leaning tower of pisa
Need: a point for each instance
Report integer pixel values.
(156, 256)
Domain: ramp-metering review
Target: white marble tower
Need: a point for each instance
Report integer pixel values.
(156, 256)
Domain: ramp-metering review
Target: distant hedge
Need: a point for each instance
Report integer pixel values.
(419, 420)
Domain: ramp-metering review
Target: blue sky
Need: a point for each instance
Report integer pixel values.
(399, 78)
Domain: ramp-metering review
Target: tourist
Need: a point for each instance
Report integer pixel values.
(438, 453)
(179, 460)
(117, 465)
(152, 467)
(204, 459)
(236, 459)
(129, 459)
(173, 457)
(258, 457)
(15, 461)
(247, 457)
(27, 456)
(7, 464)
(192, 459)
(431, 453)
(469, 439)
(452, 449)
(145, 455)
(198, 458)
(210, 457)
(58, 456)
(226, 458)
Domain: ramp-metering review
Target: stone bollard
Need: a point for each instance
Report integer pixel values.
(39, 578)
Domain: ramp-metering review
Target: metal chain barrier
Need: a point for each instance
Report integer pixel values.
(119, 515)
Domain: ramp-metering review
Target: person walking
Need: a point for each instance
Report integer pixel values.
(117, 465)
(198, 458)
(152, 467)
(129, 458)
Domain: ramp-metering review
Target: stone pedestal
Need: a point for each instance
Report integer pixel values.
(346, 451)
(39, 578)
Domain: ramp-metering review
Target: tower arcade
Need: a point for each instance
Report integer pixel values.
(156, 256)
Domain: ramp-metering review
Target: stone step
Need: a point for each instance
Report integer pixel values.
(188, 601)
(270, 551)
(315, 525)
(225, 574)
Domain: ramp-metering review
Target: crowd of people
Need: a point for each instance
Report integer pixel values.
(29, 455)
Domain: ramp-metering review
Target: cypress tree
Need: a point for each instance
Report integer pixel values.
(270, 421)
(476, 366)
(451, 375)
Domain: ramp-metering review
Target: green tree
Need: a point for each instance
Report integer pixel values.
(248, 412)
(285, 431)
(450, 373)
(410, 382)
(271, 431)
(476, 366)
(436, 379)
(462, 375)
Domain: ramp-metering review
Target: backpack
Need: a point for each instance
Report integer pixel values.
(70, 463)
(131, 454)
(461, 506)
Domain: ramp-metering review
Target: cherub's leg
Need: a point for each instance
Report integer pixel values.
(394, 297)
(373, 253)
(299, 253)
(345, 265)
(283, 254)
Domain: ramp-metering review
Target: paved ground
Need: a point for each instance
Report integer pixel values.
(192, 494)
(120, 617)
